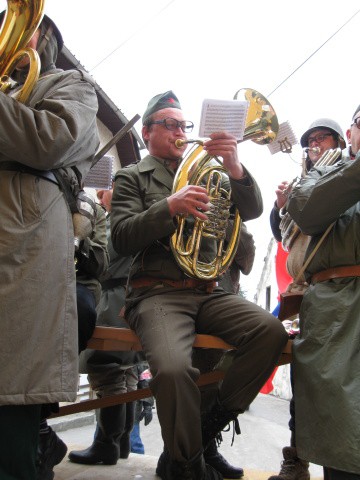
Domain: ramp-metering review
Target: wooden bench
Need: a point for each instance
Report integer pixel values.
(124, 339)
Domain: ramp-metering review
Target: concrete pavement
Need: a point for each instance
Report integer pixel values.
(264, 432)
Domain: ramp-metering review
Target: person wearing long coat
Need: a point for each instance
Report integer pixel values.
(54, 130)
(327, 352)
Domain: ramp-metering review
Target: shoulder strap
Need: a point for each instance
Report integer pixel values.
(67, 191)
(311, 256)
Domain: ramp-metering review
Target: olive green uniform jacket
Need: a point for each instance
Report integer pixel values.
(38, 318)
(327, 350)
(141, 223)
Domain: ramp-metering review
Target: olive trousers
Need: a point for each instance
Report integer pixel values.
(167, 324)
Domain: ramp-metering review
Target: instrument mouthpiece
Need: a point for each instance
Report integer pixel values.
(180, 143)
(313, 149)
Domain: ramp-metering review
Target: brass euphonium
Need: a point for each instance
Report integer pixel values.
(21, 21)
(200, 168)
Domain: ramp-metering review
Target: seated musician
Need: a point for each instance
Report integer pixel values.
(166, 308)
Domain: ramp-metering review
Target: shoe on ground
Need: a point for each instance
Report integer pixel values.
(213, 457)
(97, 453)
(292, 467)
(51, 451)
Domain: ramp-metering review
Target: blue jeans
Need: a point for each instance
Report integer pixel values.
(135, 441)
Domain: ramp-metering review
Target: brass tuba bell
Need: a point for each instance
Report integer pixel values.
(262, 125)
(21, 21)
(200, 168)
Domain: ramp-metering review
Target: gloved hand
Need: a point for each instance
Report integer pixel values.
(146, 413)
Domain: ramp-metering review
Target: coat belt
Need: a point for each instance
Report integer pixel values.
(191, 283)
(19, 167)
(336, 272)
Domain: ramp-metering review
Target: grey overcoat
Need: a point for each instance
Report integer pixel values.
(38, 320)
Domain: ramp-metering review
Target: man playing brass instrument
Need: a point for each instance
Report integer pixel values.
(324, 134)
(166, 308)
(326, 351)
(54, 130)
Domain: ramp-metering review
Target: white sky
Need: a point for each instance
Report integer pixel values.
(209, 49)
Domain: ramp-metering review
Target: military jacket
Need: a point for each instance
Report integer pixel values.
(141, 222)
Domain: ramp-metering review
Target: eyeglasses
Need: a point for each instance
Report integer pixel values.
(318, 138)
(356, 122)
(172, 124)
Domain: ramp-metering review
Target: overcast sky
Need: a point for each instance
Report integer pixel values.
(209, 49)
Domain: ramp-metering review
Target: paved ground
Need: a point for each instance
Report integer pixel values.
(264, 432)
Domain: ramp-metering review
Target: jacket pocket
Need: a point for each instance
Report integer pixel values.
(29, 198)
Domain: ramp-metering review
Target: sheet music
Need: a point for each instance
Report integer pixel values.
(99, 176)
(223, 115)
(285, 139)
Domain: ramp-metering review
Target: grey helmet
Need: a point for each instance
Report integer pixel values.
(324, 123)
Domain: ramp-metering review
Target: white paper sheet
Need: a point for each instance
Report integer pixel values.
(223, 115)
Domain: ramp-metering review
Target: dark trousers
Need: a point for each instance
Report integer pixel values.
(292, 403)
(166, 324)
(86, 309)
(332, 474)
(19, 434)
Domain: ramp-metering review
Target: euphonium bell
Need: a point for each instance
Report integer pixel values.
(21, 21)
(261, 125)
(200, 168)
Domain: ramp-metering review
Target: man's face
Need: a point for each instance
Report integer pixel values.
(32, 44)
(160, 140)
(353, 135)
(105, 197)
(323, 139)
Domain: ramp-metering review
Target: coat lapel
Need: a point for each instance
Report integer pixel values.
(160, 173)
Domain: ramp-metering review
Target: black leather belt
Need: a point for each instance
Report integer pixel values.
(19, 167)
(113, 283)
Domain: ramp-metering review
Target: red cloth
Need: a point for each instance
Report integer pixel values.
(269, 387)
(282, 277)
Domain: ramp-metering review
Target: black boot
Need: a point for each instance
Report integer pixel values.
(215, 421)
(105, 447)
(194, 469)
(124, 440)
(51, 451)
(214, 458)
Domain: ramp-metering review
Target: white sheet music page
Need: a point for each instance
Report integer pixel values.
(99, 176)
(285, 139)
(223, 115)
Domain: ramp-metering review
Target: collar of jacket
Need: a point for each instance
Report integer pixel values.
(159, 172)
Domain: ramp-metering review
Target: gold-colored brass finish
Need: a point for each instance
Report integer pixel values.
(288, 228)
(200, 168)
(20, 23)
(261, 125)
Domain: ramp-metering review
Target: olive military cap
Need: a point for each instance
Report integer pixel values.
(161, 101)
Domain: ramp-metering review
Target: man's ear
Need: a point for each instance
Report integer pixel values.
(348, 134)
(145, 132)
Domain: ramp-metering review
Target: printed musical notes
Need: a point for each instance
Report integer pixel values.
(223, 115)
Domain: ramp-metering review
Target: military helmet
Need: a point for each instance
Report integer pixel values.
(323, 123)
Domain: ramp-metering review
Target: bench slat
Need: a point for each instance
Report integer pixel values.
(124, 339)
